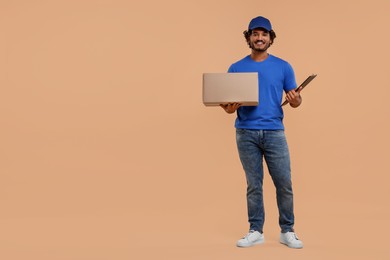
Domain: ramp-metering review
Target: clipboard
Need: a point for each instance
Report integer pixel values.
(303, 85)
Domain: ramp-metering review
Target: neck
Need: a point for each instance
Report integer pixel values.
(259, 55)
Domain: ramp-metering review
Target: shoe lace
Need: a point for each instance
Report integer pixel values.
(248, 234)
(291, 236)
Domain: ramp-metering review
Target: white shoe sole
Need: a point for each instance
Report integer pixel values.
(252, 244)
(291, 246)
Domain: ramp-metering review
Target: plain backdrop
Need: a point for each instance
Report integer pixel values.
(107, 152)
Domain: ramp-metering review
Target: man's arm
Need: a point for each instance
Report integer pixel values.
(294, 98)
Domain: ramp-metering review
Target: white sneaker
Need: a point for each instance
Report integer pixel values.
(290, 239)
(251, 239)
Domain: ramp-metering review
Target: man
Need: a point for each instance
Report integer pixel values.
(260, 133)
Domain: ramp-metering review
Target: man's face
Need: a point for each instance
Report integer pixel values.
(260, 40)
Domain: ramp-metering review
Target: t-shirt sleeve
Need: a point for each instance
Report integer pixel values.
(231, 69)
(289, 78)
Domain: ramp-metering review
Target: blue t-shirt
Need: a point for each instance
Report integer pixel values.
(275, 75)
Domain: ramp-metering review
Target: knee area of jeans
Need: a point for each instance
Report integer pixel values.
(254, 190)
(282, 181)
(284, 190)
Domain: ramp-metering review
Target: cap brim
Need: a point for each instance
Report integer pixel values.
(260, 27)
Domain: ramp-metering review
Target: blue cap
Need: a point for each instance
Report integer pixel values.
(260, 22)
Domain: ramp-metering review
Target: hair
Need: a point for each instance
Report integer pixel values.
(247, 34)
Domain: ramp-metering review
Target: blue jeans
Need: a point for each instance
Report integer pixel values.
(253, 145)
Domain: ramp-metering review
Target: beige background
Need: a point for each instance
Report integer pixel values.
(106, 151)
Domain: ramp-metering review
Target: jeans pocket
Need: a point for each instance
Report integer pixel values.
(241, 134)
(277, 133)
(240, 131)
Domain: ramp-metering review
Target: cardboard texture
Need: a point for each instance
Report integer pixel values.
(224, 88)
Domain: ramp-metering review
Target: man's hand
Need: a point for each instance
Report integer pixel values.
(230, 107)
(294, 98)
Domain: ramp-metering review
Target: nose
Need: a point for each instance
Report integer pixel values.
(257, 37)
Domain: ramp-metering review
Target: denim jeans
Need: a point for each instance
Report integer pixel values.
(253, 146)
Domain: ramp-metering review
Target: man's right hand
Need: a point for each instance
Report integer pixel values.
(230, 107)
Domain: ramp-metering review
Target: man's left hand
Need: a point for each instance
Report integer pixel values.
(294, 98)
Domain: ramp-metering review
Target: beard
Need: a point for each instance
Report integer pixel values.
(260, 49)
